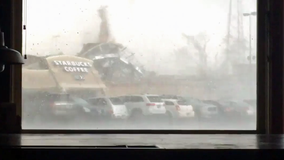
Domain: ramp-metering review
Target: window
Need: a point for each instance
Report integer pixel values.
(101, 102)
(200, 52)
(80, 101)
(58, 97)
(92, 101)
(169, 97)
(182, 103)
(169, 103)
(154, 99)
(136, 99)
(116, 101)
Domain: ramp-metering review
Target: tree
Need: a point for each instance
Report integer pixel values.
(235, 48)
(199, 42)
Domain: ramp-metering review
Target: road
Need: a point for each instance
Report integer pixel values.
(146, 124)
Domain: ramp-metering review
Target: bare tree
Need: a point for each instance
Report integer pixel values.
(235, 47)
(199, 42)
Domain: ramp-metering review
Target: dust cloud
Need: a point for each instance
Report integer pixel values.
(153, 30)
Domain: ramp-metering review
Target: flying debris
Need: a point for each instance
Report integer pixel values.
(112, 60)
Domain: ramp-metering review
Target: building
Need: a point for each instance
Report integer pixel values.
(62, 73)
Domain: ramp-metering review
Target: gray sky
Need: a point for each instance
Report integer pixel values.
(151, 29)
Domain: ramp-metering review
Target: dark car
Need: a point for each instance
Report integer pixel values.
(241, 108)
(49, 107)
(85, 110)
(225, 109)
(251, 102)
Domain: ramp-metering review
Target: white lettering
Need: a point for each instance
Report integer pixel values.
(86, 70)
(66, 69)
(72, 66)
(64, 63)
(76, 69)
(80, 69)
(72, 63)
(90, 65)
(56, 63)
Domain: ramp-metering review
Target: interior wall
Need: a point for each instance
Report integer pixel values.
(276, 67)
(6, 23)
(10, 79)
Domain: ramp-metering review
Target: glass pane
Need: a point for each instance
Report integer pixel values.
(80, 101)
(154, 98)
(116, 101)
(183, 103)
(200, 52)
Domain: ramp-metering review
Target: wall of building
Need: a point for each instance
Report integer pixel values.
(213, 88)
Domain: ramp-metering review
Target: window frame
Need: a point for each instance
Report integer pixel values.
(262, 87)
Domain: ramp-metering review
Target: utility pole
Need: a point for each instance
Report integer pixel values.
(228, 56)
(240, 27)
(250, 48)
(250, 57)
(229, 28)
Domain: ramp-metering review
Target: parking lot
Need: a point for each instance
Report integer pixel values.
(149, 123)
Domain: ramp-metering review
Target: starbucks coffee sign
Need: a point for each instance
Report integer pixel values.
(74, 66)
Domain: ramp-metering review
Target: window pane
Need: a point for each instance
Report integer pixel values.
(169, 103)
(183, 103)
(116, 101)
(202, 53)
(80, 101)
(154, 98)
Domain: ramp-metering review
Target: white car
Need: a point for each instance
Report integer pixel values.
(111, 107)
(201, 109)
(144, 105)
(179, 109)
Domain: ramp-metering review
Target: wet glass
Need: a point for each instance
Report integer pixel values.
(143, 52)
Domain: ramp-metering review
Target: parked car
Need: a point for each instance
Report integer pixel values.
(179, 109)
(85, 110)
(225, 110)
(243, 109)
(251, 102)
(110, 107)
(49, 107)
(171, 97)
(202, 109)
(144, 105)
